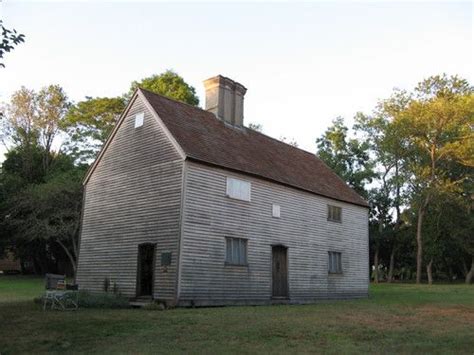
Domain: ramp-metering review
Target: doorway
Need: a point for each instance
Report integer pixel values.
(279, 271)
(145, 269)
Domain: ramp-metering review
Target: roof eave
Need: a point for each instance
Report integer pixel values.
(204, 162)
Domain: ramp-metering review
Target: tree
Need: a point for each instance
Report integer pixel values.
(19, 119)
(289, 141)
(255, 127)
(41, 213)
(53, 104)
(435, 128)
(49, 212)
(348, 157)
(168, 84)
(10, 39)
(34, 119)
(89, 123)
(377, 132)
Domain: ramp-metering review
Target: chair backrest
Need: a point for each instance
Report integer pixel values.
(61, 285)
(55, 282)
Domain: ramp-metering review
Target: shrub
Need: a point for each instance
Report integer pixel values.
(101, 300)
(155, 306)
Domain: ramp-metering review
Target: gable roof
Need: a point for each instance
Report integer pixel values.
(206, 139)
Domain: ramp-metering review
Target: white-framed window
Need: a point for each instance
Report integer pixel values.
(238, 189)
(334, 213)
(334, 262)
(275, 210)
(139, 117)
(236, 251)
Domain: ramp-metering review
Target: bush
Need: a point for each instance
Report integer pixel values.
(101, 300)
(87, 299)
(155, 306)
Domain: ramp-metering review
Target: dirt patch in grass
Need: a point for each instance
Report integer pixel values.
(378, 320)
(457, 312)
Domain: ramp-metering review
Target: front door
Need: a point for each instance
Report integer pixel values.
(145, 270)
(280, 271)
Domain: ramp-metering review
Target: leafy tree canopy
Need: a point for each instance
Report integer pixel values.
(10, 39)
(89, 123)
(348, 157)
(168, 84)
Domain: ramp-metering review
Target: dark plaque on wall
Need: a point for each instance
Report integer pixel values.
(165, 259)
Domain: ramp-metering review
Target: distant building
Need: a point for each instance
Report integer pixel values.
(8, 264)
(189, 206)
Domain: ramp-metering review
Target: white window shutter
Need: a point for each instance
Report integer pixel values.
(139, 117)
(238, 189)
(276, 210)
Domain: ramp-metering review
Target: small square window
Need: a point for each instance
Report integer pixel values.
(334, 262)
(276, 210)
(236, 251)
(139, 117)
(334, 213)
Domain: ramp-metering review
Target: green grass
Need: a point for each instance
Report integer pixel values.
(396, 318)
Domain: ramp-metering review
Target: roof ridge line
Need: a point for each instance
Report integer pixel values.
(247, 128)
(171, 99)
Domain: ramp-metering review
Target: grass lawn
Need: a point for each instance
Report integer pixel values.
(396, 318)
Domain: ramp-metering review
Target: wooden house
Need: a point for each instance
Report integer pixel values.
(189, 206)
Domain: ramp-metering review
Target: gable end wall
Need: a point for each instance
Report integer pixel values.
(133, 196)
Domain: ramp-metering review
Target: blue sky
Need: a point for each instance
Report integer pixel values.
(303, 63)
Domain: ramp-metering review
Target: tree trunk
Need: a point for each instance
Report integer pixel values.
(419, 239)
(376, 265)
(70, 256)
(470, 274)
(390, 269)
(429, 271)
(419, 245)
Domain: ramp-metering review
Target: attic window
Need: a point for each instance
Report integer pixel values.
(139, 117)
(276, 211)
(238, 189)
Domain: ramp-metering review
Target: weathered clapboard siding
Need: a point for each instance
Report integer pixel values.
(209, 216)
(133, 196)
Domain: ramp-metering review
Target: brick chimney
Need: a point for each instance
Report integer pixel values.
(225, 99)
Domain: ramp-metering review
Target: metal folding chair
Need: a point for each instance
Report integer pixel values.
(57, 296)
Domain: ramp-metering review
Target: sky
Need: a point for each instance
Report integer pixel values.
(303, 63)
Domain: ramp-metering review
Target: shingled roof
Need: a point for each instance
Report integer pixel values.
(206, 139)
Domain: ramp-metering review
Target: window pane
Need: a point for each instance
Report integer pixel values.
(334, 213)
(235, 251)
(228, 256)
(242, 252)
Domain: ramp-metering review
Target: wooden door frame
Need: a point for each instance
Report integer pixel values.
(138, 281)
(285, 248)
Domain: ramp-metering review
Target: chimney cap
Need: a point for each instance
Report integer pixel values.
(220, 80)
